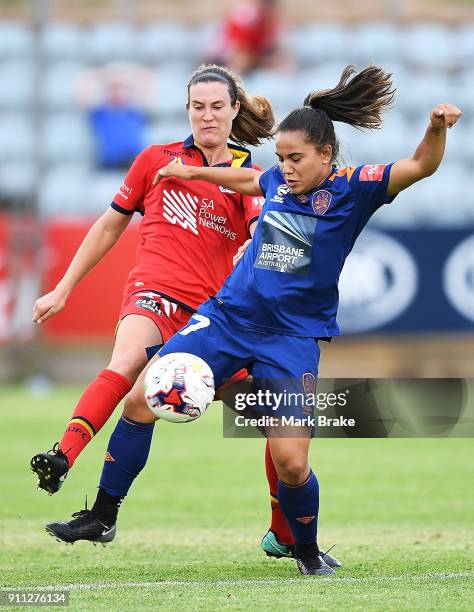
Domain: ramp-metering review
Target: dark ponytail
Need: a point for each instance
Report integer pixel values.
(255, 121)
(358, 99)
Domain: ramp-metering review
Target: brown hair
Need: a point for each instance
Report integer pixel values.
(358, 99)
(255, 120)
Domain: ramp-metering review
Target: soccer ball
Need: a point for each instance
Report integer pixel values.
(179, 387)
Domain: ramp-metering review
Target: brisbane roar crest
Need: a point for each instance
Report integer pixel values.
(321, 201)
(309, 383)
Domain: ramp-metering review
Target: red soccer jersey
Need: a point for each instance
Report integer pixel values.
(190, 229)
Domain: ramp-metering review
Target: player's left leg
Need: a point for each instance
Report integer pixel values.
(298, 495)
(290, 384)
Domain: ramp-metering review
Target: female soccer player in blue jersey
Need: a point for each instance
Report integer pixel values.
(283, 294)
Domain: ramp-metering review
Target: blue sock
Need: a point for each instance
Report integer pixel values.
(126, 455)
(300, 505)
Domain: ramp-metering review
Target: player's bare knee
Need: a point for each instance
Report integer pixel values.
(293, 471)
(128, 364)
(136, 408)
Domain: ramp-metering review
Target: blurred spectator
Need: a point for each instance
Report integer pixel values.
(118, 121)
(250, 38)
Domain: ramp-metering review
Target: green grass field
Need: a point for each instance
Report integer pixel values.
(400, 511)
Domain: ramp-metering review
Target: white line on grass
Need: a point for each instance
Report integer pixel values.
(239, 582)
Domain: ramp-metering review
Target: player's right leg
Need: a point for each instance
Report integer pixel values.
(129, 445)
(99, 400)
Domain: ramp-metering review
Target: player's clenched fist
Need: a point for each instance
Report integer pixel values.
(444, 115)
(173, 169)
(48, 305)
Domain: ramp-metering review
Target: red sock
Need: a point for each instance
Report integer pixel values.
(93, 410)
(279, 524)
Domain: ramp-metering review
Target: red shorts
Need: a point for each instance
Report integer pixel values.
(168, 316)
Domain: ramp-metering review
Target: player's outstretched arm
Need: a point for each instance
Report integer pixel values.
(243, 180)
(429, 152)
(100, 238)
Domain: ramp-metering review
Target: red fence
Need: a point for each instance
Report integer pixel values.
(92, 310)
(33, 258)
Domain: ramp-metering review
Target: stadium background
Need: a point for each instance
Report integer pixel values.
(407, 305)
(412, 315)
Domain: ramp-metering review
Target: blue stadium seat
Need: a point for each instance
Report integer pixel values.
(59, 86)
(63, 41)
(102, 188)
(169, 90)
(66, 137)
(278, 88)
(162, 131)
(359, 147)
(430, 45)
(442, 198)
(16, 137)
(204, 35)
(401, 213)
(462, 92)
(17, 179)
(16, 40)
(465, 45)
(425, 91)
(164, 40)
(111, 41)
(64, 191)
(16, 91)
(309, 44)
(264, 156)
(376, 43)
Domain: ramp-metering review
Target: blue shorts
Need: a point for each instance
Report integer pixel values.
(283, 366)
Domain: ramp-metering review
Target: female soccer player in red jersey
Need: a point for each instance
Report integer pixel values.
(188, 239)
(270, 312)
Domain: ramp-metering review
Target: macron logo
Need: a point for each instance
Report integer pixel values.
(180, 208)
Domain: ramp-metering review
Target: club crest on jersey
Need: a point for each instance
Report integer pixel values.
(282, 191)
(321, 201)
(309, 386)
(309, 383)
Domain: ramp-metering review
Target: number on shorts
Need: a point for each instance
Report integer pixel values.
(202, 321)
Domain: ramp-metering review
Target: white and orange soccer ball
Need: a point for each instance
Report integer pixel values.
(179, 387)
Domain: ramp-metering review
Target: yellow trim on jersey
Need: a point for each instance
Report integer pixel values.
(84, 424)
(117, 327)
(274, 499)
(239, 157)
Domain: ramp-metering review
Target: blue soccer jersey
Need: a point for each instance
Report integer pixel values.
(287, 280)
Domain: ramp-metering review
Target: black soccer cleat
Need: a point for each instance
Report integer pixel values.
(311, 563)
(84, 526)
(52, 468)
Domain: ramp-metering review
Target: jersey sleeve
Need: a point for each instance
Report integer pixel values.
(369, 185)
(264, 180)
(129, 198)
(252, 208)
